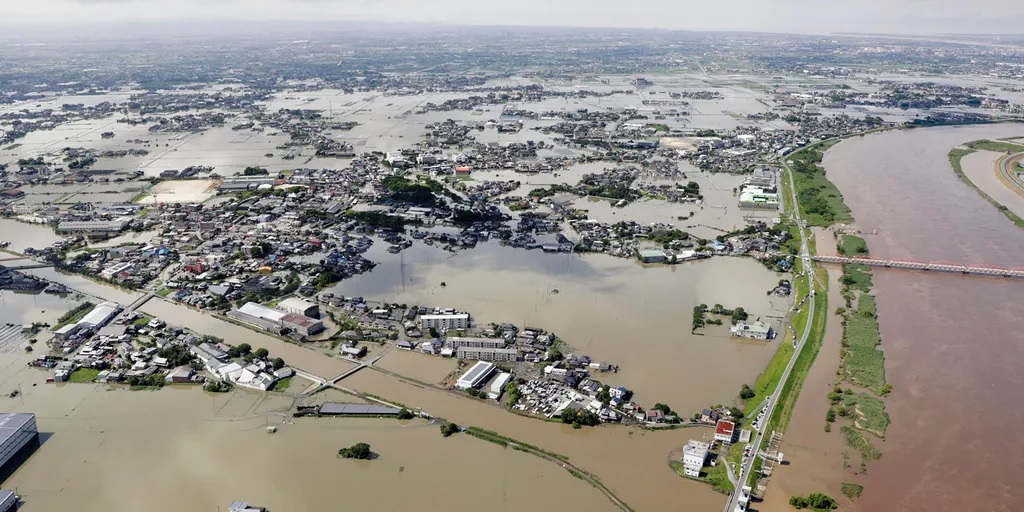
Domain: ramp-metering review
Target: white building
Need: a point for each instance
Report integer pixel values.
(100, 315)
(757, 198)
(460, 321)
(694, 455)
(459, 342)
(757, 330)
(498, 386)
(476, 375)
(93, 226)
(17, 430)
(115, 269)
(299, 306)
(488, 354)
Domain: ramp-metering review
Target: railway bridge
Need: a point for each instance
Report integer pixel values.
(957, 268)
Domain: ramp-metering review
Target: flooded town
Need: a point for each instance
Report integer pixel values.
(716, 271)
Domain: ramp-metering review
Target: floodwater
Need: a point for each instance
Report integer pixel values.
(814, 457)
(982, 168)
(124, 451)
(952, 343)
(609, 308)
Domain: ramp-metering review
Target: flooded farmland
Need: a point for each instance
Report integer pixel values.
(950, 342)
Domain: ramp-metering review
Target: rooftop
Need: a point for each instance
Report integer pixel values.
(12, 422)
(724, 427)
(367, 409)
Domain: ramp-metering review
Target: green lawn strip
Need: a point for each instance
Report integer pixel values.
(83, 375)
(863, 363)
(282, 384)
(856, 277)
(862, 444)
(768, 380)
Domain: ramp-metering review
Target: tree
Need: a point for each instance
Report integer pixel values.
(448, 429)
(666, 410)
(357, 451)
(739, 315)
(736, 413)
(555, 355)
(433, 333)
(405, 414)
(278, 363)
(239, 350)
(473, 391)
(746, 393)
(261, 353)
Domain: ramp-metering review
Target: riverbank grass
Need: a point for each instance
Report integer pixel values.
(995, 145)
(852, 246)
(864, 363)
(74, 315)
(868, 413)
(852, 491)
(821, 203)
(857, 441)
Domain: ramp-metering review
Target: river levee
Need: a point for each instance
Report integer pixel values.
(951, 342)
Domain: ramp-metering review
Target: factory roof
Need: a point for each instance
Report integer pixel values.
(339, 408)
(11, 423)
(296, 303)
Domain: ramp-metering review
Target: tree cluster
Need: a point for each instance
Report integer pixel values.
(357, 451)
(814, 501)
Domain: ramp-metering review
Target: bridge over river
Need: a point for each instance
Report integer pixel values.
(980, 270)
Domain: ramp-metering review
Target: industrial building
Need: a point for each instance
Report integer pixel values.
(342, 409)
(8, 500)
(460, 321)
(299, 306)
(694, 455)
(457, 342)
(758, 198)
(652, 256)
(498, 385)
(100, 315)
(476, 375)
(302, 324)
(17, 430)
(93, 226)
(487, 354)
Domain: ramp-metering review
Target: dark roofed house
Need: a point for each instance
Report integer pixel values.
(655, 415)
(709, 416)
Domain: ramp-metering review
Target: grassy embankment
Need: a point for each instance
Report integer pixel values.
(74, 315)
(821, 203)
(957, 154)
(852, 246)
(999, 146)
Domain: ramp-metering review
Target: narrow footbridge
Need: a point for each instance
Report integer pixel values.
(980, 270)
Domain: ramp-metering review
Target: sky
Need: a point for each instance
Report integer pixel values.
(794, 16)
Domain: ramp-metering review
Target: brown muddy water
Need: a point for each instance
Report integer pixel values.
(952, 343)
(184, 449)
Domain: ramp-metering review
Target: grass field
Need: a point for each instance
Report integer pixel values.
(74, 315)
(868, 412)
(857, 441)
(852, 246)
(83, 375)
(863, 363)
(283, 384)
(995, 145)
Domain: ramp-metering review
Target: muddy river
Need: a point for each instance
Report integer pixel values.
(952, 343)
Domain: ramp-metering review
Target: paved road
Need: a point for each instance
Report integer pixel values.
(745, 469)
(1009, 174)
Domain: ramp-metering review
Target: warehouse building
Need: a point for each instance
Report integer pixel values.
(302, 324)
(476, 376)
(460, 321)
(488, 354)
(93, 226)
(17, 430)
(8, 500)
(498, 385)
(100, 315)
(299, 306)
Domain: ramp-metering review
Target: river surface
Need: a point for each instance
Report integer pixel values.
(952, 343)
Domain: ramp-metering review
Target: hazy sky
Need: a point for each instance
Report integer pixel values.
(808, 16)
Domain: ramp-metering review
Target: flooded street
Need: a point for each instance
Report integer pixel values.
(951, 343)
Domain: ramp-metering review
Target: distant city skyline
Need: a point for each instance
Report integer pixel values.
(792, 16)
